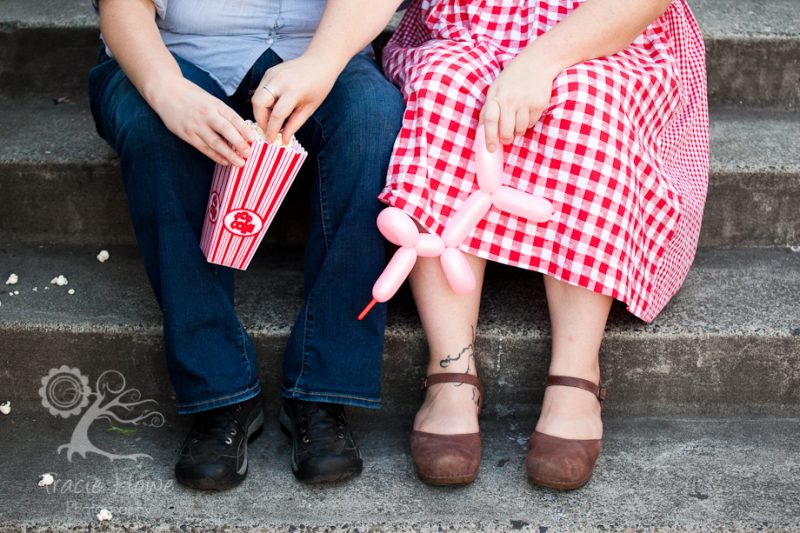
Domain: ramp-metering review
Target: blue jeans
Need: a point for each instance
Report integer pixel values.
(330, 356)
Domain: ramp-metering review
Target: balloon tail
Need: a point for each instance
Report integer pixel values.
(367, 309)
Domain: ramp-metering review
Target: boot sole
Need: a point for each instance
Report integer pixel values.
(459, 481)
(572, 485)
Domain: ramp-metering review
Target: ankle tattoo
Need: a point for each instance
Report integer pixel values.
(469, 352)
(445, 361)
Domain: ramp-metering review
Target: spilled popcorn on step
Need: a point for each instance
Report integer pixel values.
(45, 480)
(104, 515)
(71, 292)
(59, 280)
(12, 279)
(103, 256)
(5, 408)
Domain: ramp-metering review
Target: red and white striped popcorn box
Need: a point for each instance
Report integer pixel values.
(243, 202)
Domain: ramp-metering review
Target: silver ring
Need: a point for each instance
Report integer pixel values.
(266, 88)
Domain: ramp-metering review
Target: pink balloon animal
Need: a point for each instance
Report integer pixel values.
(400, 229)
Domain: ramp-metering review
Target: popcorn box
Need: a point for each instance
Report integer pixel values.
(243, 201)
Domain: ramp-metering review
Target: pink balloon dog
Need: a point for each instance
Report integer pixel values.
(400, 229)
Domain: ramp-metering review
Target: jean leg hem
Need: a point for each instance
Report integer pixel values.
(341, 399)
(221, 401)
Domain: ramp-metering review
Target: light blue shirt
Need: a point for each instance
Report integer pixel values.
(225, 37)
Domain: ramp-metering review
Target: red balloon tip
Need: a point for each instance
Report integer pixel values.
(367, 309)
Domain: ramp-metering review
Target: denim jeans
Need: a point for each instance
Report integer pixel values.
(330, 356)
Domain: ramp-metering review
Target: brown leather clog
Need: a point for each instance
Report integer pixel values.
(563, 464)
(448, 459)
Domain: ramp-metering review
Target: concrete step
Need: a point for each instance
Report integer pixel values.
(65, 184)
(727, 343)
(666, 474)
(65, 180)
(753, 49)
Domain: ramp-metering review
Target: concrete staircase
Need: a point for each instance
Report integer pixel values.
(703, 419)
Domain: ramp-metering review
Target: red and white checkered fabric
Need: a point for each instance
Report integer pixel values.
(622, 150)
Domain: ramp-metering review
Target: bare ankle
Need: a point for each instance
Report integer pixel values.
(577, 369)
(449, 408)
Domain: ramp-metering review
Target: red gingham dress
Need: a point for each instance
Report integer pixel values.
(621, 152)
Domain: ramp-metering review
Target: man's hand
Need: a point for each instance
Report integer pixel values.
(204, 121)
(516, 99)
(290, 92)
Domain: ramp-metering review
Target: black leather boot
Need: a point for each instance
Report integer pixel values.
(214, 455)
(323, 448)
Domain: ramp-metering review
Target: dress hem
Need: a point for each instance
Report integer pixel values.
(647, 316)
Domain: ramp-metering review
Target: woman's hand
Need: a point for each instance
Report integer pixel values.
(596, 28)
(129, 29)
(290, 92)
(517, 98)
(203, 121)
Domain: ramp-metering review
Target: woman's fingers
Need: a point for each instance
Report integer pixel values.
(508, 119)
(232, 135)
(208, 124)
(490, 118)
(239, 123)
(523, 119)
(201, 145)
(295, 122)
(282, 110)
(290, 92)
(220, 147)
(263, 100)
(260, 114)
(535, 114)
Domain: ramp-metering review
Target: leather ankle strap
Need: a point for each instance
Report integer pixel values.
(451, 377)
(454, 377)
(598, 390)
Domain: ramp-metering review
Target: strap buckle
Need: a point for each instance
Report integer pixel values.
(601, 392)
